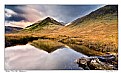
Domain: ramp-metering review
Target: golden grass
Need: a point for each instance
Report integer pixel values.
(47, 45)
(85, 50)
(99, 36)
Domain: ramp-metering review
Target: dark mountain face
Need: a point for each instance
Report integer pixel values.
(51, 20)
(109, 9)
(9, 29)
(107, 12)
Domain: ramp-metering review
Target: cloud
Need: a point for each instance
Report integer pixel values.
(9, 13)
(22, 24)
(21, 16)
(65, 13)
(24, 14)
(29, 13)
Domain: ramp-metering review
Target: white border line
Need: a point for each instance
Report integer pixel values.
(61, 1)
(3, 2)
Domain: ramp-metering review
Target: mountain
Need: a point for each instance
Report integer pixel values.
(100, 25)
(93, 34)
(107, 12)
(10, 29)
(46, 24)
(62, 23)
(102, 20)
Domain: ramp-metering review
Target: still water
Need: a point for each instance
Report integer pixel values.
(28, 57)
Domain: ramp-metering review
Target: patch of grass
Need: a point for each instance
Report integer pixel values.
(15, 40)
(85, 50)
(47, 45)
(92, 45)
(102, 47)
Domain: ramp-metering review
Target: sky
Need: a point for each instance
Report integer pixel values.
(25, 15)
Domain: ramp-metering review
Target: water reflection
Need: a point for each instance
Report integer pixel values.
(28, 57)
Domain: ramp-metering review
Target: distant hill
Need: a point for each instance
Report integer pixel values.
(10, 29)
(48, 24)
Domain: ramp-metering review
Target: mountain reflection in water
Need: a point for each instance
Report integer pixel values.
(27, 57)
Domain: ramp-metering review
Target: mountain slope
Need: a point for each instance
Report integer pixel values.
(102, 20)
(48, 24)
(97, 32)
(107, 12)
(99, 29)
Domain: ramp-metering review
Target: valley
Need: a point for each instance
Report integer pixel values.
(95, 34)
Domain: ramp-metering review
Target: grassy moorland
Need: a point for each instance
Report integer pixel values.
(47, 45)
(99, 35)
(94, 34)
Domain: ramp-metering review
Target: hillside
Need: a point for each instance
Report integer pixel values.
(46, 25)
(100, 21)
(108, 12)
(94, 35)
(96, 32)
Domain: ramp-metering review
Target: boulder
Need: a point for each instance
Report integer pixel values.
(96, 63)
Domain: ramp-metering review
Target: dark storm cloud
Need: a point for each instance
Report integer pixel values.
(23, 12)
(15, 18)
(15, 8)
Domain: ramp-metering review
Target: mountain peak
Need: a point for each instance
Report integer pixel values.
(44, 23)
(48, 19)
(51, 20)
